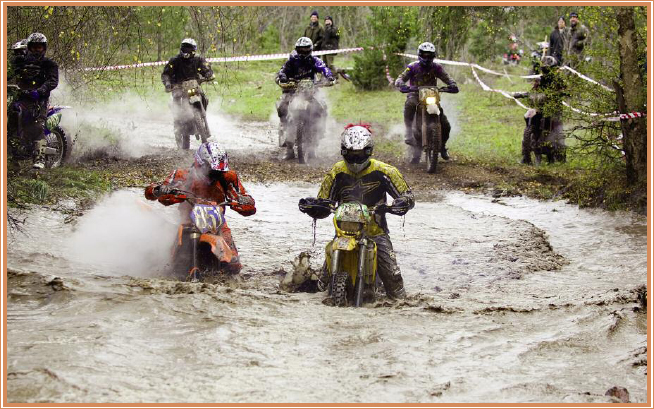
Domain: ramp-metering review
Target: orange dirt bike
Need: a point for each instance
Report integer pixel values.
(200, 251)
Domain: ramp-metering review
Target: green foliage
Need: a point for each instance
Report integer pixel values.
(268, 40)
(392, 28)
(369, 70)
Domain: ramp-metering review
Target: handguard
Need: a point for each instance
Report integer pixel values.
(315, 208)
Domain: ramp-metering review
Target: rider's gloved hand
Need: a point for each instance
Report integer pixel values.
(34, 94)
(162, 190)
(244, 200)
(399, 83)
(168, 87)
(405, 88)
(282, 78)
(400, 206)
(315, 208)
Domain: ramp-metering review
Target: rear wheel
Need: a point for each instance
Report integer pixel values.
(339, 289)
(57, 139)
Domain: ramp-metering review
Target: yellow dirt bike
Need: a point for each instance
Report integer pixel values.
(351, 258)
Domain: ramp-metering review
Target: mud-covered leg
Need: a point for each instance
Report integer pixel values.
(285, 137)
(445, 132)
(411, 138)
(234, 265)
(387, 268)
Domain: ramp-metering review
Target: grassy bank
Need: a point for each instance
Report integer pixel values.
(485, 150)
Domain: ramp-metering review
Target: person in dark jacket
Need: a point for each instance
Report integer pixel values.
(577, 41)
(37, 76)
(315, 32)
(424, 72)
(301, 64)
(331, 37)
(544, 126)
(559, 39)
(183, 67)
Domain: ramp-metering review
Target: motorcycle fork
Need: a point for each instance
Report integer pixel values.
(195, 242)
(358, 296)
(336, 262)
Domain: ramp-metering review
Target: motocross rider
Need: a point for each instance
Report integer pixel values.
(37, 76)
(183, 67)
(208, 178)
(358, 178)
(424, 72)
(19, 48)
(547, 94)
(301, 64)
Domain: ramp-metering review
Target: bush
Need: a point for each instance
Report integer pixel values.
(369, 70)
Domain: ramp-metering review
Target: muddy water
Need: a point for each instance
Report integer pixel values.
(509, 301)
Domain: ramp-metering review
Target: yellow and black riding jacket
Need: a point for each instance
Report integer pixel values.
(368, 187)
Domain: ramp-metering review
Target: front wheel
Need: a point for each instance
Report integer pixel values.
(200, 125)
(58, 140)
(433, 146)
(339, 289)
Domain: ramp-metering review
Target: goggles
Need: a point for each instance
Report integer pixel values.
(358, 157)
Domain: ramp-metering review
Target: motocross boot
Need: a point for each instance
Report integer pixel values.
(290, 154)
(444, 154)
(39, 154)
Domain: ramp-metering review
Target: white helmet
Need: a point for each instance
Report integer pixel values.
(37, 38)
(303, 47)
(426, 53)
(210, 155)
(356, 147)
(21, 45)
(188, 47)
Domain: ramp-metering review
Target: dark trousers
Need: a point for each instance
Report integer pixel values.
(387, 268)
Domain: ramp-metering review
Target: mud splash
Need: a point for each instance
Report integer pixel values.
(509, 302)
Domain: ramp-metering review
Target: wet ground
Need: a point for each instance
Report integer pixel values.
(510, 300)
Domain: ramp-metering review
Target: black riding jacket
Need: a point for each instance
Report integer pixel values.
(34, 73)
(180, 69)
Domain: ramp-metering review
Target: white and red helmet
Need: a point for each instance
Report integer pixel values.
(210, 155)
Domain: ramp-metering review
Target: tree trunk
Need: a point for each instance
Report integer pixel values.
(633, 96)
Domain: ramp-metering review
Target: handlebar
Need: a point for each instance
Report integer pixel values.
(406, 89)
(332, 206)
(192, 198)
(292, 84)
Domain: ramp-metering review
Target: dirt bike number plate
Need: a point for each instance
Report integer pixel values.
(344, 243)
(207, 218)
(194, 99)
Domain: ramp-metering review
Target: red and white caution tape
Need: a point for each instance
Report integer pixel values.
(582, 76)
(479, 67)
(260, 57)
(388, 72)
(612, 117)
(487, 88)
